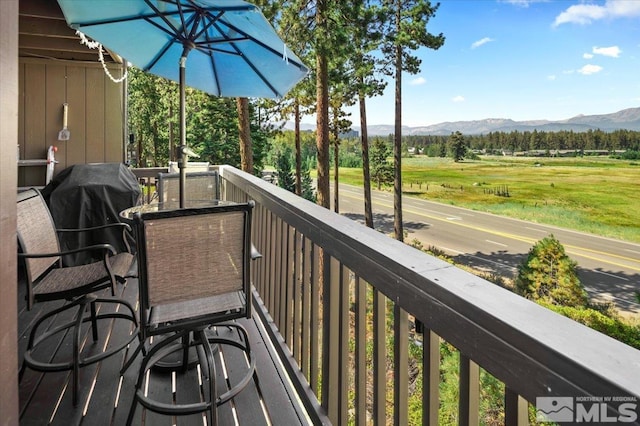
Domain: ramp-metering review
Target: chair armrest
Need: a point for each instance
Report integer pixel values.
(107, 248)
(95, 228)
(126, 231)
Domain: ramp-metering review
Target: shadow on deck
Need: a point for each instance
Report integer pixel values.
(105, 396)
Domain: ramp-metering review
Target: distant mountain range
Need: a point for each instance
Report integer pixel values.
(628, 119)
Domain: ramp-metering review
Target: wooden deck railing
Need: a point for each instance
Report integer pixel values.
(340, 299)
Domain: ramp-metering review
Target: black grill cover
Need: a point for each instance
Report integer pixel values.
(87, 195)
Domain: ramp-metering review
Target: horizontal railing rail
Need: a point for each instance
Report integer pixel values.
(341, 299)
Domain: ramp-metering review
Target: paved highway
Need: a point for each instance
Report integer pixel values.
(609, 269)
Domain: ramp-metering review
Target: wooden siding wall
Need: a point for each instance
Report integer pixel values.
(95, 118)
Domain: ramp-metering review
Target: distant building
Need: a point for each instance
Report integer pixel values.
(350, 134)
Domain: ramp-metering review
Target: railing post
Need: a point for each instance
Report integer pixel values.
(469, 404)
(430, 377)
(343, 363)
(273, 239)
(316, 289)
(516, 409)
(379, 358)
(360, 352)
(330, 335)
(297, 251)
(280, 280)
(400, 366)
(306, 308)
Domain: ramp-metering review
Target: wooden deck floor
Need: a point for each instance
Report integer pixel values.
(105, 396)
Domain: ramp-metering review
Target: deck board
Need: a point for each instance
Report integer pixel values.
(47, 396)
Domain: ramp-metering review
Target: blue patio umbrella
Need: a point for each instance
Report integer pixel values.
(231, 48)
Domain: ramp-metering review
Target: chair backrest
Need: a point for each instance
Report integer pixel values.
(36, 232)
(191, 254)
(200, 186)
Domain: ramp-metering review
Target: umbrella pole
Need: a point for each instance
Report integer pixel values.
(182, 163)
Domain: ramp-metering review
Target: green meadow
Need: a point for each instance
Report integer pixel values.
(597, 195)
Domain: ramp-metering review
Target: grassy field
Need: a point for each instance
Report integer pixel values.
(591, 194)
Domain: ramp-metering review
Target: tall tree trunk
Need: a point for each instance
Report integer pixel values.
(397, 138)
(322, 144)
(156, 148)
(172, 144)
(322, 113)
(336, 180)
(244, 129)
(298, 148)
(366, 171)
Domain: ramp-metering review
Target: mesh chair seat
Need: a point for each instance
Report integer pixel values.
(196, 309)
(73, 281)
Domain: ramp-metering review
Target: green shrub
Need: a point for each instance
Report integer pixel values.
(549, 275)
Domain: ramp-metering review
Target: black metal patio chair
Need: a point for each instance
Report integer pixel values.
(200, 186)
(193, 278)
(47, 280)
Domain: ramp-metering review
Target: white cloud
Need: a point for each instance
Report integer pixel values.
(523, 3)
(623, 8)
(458, 99)
(418, 81)
(587, 56)
(481, 42)
(590, 69)
(551, 77)
(613, 51)
(587, 13)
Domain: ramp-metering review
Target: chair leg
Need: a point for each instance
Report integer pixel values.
(245, 346)
(94, 321)
(81, 303)
(211, 368)
(185, 352)
(147, 362)
(134, 355)
(75, 331)
(76, 349)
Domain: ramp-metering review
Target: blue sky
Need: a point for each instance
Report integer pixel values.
(523, 60)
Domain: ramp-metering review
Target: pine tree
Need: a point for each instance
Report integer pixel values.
(549, 274)
(284, 168)
(407, 31)
(307, 183)
(381, 168)
(457, 146)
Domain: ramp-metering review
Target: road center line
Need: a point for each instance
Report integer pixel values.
(536, 230)
(574, 250)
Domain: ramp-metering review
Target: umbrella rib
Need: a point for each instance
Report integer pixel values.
(215, 74)
(211, 21)
(162, 16)
(176, 36)
(263, 45)
(193, 24)
(247, 61)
